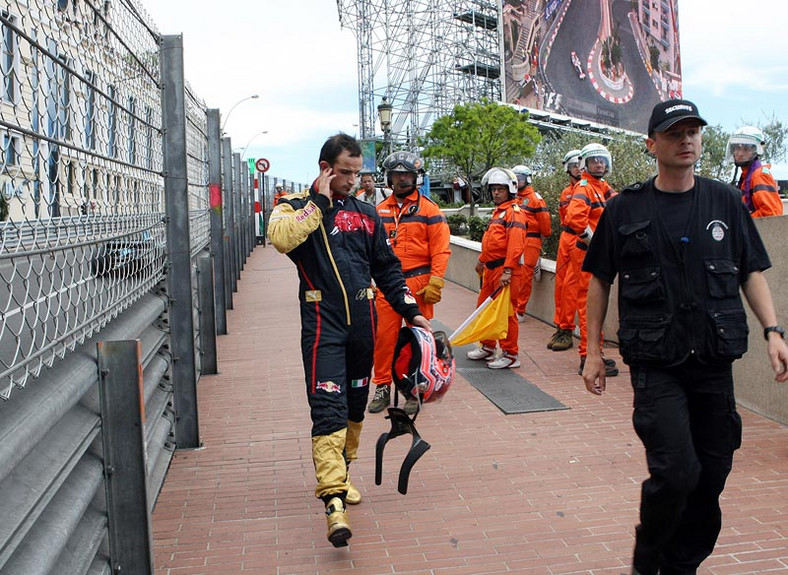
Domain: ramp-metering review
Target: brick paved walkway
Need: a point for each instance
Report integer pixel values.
(541, 494)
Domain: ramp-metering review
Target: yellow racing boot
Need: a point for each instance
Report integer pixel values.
(353, 496)
(338, 523)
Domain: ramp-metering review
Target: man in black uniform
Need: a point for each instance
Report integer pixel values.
(339, 246)
(681, 246)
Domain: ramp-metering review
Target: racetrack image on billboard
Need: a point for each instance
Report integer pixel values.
(607, 61)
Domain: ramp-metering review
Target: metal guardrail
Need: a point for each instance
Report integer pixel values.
(107, 301)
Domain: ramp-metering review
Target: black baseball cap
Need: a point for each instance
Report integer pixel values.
(665, 114)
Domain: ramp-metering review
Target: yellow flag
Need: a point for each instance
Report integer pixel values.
(489, 321)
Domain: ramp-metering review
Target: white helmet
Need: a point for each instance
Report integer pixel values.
(596, 151)
(523, 174)
(746, 135)
(571, 157)
(501, 177)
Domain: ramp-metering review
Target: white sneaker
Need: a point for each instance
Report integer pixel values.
(520, 317)
(480, 353)
(505, 361)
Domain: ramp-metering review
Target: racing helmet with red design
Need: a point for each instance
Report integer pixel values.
(423, 364)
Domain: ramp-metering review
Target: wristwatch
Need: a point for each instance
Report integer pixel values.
(773, 328)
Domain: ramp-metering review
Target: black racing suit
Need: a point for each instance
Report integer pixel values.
(680, 259)
(339, 246)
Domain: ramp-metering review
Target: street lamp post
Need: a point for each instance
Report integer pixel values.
(384, 115)
(227, 117)
(243, 154)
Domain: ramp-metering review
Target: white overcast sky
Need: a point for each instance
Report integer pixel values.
(294, 54)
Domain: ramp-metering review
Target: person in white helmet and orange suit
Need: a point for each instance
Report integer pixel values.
(589, 198)
(499, 262)
(419, 235)
(759, 190)
(565, 288)
(539, 228)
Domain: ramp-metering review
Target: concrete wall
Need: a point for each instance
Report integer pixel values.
(755, 385)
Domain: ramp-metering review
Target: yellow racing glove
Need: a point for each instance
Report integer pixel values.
(432, 291)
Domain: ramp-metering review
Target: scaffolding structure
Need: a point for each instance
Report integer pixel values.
(424, 57)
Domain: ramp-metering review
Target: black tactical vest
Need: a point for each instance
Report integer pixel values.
(679, 297)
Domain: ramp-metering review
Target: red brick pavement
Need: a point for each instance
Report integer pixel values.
(541, 494)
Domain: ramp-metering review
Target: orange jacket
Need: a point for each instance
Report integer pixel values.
(536, 213)
(278, 195)
(505, 235)
(563, 202)
(589, 197)
(760, 191)
(418, 233)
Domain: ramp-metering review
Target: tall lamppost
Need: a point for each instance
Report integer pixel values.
(384, 115)
(227, 117)
(250, 141)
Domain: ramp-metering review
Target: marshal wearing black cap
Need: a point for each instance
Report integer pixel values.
(665, 114)
(682, 250)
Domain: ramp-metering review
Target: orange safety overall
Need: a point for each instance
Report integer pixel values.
(565, 289)
(760, 191)
(502, 246)
(419, 235)
(539, 226)
(589, 197)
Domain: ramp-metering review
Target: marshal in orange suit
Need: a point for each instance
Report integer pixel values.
(418, 233)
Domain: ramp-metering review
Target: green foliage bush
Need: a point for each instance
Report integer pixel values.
(458, 223)
(476, 228)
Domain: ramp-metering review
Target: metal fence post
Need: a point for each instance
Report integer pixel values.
(209, 363)
(250, 213)
(217, 224)
(242, 219)
(179, 278)
(121, 393)
(229, 221)
(237, 193)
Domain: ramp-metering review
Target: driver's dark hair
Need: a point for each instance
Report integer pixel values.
(335, 144)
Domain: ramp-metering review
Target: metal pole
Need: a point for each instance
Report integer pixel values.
(179, 278)
(264, 207)
(237, 192)
(121, 397)
(250, 212)
(208, 354)
(217, 225)
(245, 212)
(240, 215)
(229, 221)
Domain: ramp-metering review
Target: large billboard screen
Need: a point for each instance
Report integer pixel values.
(606, 61)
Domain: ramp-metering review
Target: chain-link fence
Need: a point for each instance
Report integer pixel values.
(81, 163)
(114, 206)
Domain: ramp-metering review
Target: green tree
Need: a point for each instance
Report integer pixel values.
(776, 134)
(479, 135)
(712, 163)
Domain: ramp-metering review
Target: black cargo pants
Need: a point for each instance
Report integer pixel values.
(686, 418)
